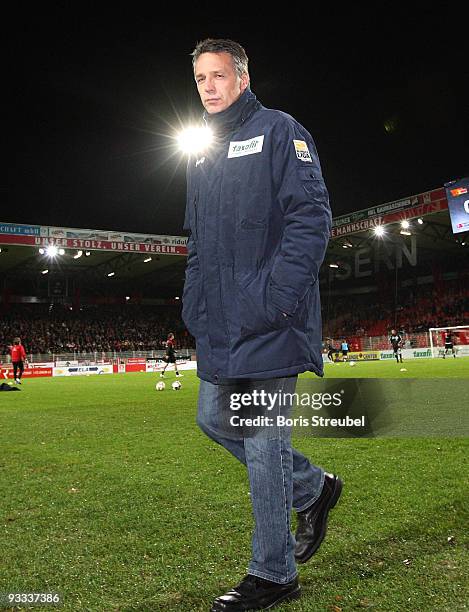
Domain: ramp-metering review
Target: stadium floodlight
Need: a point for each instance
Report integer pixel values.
(111, 274)
(177, 298)
(44, 271)
(61, 251)
(405, 224)
(379, 230)
(78, 254)
(405, 232)
(127, 297)
(147, 260)
(52, 251)
(41, 251)
(194, 139)
(420, 221)
(87, 253)
(333, 265)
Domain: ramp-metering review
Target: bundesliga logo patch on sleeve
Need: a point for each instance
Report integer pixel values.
(302, 151)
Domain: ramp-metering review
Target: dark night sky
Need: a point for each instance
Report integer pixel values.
(90, 100)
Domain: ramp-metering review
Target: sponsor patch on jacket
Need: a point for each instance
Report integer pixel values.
(246, 147)
(302, 151)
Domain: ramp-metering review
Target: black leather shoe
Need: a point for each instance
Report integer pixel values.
(254, 593)
(312, 523)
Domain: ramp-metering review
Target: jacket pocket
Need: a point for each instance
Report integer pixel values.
(196, 219)
(257, 315)
(312, 182)
(302, 314)
(250, 244)
(191, 308)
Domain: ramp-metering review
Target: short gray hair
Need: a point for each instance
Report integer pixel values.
(223, 45)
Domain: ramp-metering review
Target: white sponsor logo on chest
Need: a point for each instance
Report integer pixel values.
(302, 151)
(246, 147)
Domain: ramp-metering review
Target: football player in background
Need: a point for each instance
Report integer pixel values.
(170, 356)
(18, 357)
(396, 343)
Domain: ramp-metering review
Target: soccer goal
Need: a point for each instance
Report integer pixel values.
(459, 335)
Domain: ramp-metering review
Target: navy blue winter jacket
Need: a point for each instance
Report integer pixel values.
(259, 219)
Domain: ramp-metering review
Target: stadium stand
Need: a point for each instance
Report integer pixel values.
(61, 329)
(122, 296)
(416, 312)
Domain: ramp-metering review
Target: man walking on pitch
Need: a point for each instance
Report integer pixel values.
(259, 220)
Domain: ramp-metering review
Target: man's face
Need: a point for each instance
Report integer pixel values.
(218, 83)
(393, 332)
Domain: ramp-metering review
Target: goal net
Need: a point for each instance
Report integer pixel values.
(442, 337)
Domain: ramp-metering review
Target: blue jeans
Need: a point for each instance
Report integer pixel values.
(279, 476)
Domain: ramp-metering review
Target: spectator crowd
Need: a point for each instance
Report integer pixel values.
(57, 329)
(415, 311)
(60, 329)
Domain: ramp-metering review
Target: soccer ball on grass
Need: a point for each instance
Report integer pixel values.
(160, 386)
(176, 385)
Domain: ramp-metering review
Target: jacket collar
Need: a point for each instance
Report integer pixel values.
(228, 120)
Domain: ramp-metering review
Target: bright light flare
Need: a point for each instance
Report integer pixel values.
(379, 231)
(405, 224)
(195, 139)
(52, 251)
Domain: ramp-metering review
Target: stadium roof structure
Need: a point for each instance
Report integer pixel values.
(425, 214)
(143, 260)
(93, 256)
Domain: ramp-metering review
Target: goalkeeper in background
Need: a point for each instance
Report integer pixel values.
(449, 345)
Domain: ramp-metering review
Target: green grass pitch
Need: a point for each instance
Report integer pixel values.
(111, 496)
